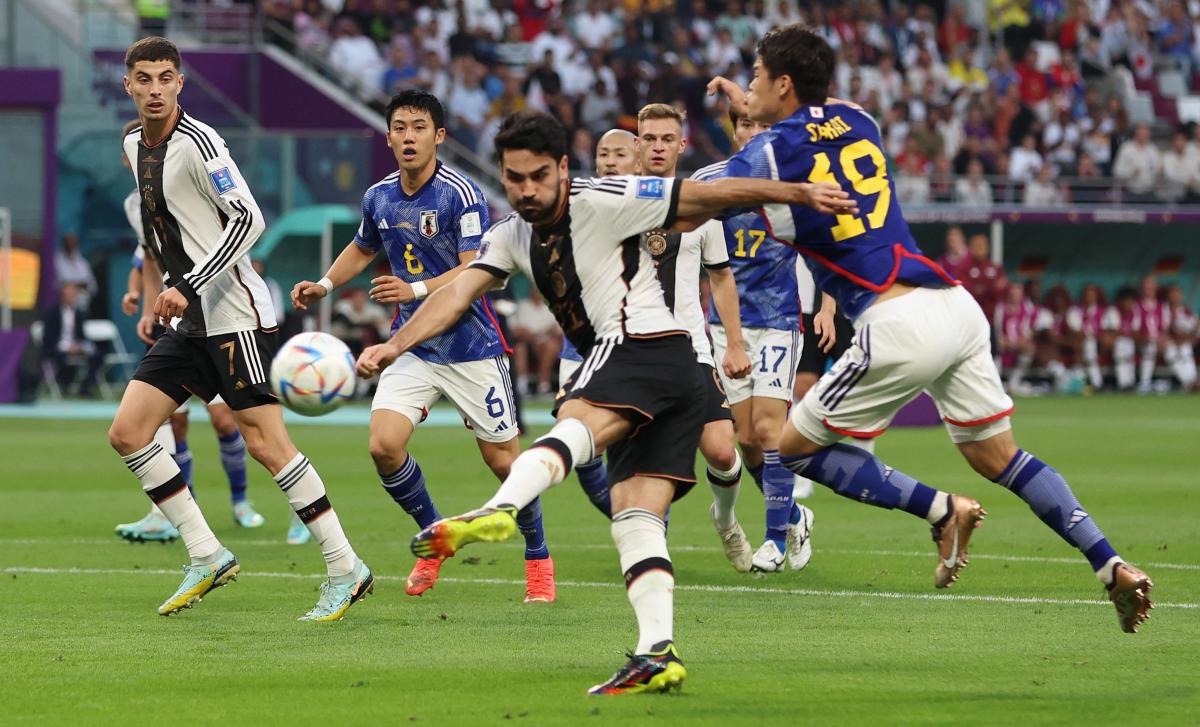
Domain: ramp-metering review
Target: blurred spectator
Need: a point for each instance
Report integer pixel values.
(536, 343)
(1122, 323)
(468, 104)
(1180, 348)
(973, 190)
(355, 56)
(1181, 171)
(64, 346)
(71, 267)
(311, 25)
(955, 257)
(1138, 165)
(595, 28)
(1086, 321)
(1014, 321)
(358, 321)
(984, 280)
(1025, 161)
(912, 184)
(554, 40)
(400, 73)
(1057, 344)
(1043, 191)
(580, 158)
(1151, 333)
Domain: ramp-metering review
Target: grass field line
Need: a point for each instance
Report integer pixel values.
(837, 593)
(677, 548)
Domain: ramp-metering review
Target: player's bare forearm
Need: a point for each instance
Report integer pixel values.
(152, 282)
(704, 200)
(350, 262)
(725, 298)
(828, 304)
(390, 289)
(444, 307)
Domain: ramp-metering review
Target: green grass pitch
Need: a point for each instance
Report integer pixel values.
(860, 637)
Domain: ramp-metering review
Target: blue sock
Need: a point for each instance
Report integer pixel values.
(756, 473)
(233, 459)
(407, 487)
(183, 458)
(593, 477)
(529, 520)
(777, 491)
(1051, 499)
(859, 475)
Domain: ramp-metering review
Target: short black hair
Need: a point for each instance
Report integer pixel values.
(534, 131)
(152, 48)
(414, 98)
(805, 57)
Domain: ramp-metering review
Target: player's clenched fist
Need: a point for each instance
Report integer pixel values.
(306, 293)
(736, 363)
(170, 304)
(375, 359)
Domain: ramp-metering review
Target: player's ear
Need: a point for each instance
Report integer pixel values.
(128, 92)
(439, 136)
(562, 166)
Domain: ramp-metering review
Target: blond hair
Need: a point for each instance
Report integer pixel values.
(661, 111)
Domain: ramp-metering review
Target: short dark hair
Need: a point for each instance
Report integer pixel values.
(152, 48)
(533, 131)
(415, 98)
(129, 127)
(804, 56)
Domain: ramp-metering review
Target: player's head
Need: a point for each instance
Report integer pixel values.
(128, 127)
(744, 129)
(1126, 298)
(1174, 295)
(531, 147)
(1092, 295)
(660, 139)
(1016, 292)
(1149, 287)
(979, 247)
(416, 126)
(956, 243)
(616, 153)
(793, 68)
(153, 78)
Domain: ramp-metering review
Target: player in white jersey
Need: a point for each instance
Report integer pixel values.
(640, 392)
(428, 220)
(616, 155)
(172, 435)
(678, 257)
(201, 221)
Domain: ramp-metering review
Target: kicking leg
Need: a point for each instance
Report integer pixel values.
(1051, 499)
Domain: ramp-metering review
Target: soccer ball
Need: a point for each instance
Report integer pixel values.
(313, 374)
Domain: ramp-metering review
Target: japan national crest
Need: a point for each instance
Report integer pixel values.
(428, 223)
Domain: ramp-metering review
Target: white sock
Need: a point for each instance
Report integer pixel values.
(1149, 355)
(162, 481)
(1123, 353)
(939, 508)
(1105, 574)
(306, 493)
(725, 486)
(641, 538)
(1091, 356)
(1018, 372)
(545, 464)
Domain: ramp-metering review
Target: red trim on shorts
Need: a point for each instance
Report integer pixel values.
(487, 308)
(979, 422)
(660, 476)
(851, 433)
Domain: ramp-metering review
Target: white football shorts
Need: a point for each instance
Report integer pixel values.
(480, 390)
(773, 355)
(931, 339)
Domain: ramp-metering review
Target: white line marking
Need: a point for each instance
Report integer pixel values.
(893, 595)
(256, 542)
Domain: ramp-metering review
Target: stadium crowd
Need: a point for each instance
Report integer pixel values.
(992, 101)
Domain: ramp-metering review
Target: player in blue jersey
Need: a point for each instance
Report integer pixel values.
(916, 327)
(769, 305)
(429, 220)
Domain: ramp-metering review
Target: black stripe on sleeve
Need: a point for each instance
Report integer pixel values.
(489, 269)
(716, 266)
(200, 145)
(229, 249)
(673, 205)
(201, 137)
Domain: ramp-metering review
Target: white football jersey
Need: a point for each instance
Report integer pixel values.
(133, 213)
(596, 275)
(201, 221)
(679, 273)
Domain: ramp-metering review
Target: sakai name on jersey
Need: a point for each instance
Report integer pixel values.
(827, 131)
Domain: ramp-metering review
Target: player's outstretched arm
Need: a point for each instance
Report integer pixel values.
(442, 310)
(391, 290)
(699, 201)
(350, 262)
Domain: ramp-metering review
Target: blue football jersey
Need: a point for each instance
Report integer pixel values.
(763, 269)
(854, 258)
(423, 235)
(569, 352)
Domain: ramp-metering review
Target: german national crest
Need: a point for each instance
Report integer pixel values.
(428, 223)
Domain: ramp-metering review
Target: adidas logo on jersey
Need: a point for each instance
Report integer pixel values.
(777, 383)
(500, 428)
(383, 225)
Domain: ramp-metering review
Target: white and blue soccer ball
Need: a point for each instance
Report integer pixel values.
(313, 374)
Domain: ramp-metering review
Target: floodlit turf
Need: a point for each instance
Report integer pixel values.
(860, 637)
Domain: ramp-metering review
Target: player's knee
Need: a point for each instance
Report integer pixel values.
(388, 457)
(766, 431)
(499, 460)
(722, 456)
(126, 439)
